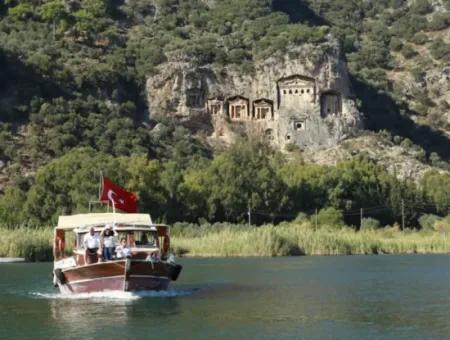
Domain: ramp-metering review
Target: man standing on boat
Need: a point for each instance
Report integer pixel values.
(91, 244)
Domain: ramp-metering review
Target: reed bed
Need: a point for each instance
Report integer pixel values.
(229, 240)
(301, 239)
(31, 244)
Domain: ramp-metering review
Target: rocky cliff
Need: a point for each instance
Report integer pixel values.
(301, 97)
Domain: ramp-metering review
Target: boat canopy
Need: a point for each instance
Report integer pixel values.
(91, 220)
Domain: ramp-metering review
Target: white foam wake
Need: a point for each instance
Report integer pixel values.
(114, 295)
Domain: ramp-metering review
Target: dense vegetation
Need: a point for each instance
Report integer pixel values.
(74, 72)
(247, 176)
(72, 102)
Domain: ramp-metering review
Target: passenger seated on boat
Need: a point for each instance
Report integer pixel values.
(152, 240)
(108, 242)
(91, 244)
(144, 239)
(122, 250)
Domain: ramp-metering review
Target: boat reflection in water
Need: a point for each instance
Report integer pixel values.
(147, 264)
(105, 314)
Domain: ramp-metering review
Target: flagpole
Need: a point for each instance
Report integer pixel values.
(114, 213)
(110, 199)
(100, 186)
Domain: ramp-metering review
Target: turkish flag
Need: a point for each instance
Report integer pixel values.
(118, 197)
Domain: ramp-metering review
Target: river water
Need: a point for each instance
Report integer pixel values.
(395, 297)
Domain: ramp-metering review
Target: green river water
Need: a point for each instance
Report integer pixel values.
(358, 297)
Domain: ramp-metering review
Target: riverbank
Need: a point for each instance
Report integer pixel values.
(11, 259)
(301, 239)
(286, 239)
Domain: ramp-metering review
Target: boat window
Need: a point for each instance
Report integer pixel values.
(146, 239)
(80, 239)
(140, 239)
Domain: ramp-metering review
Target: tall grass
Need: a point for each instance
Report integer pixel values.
(31, 244)
(301, 238)
(294, 238)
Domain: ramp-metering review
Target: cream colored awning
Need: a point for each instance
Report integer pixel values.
(87, 220)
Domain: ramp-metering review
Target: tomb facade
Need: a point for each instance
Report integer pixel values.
(195, 98)
(214, 106)
(263, 110)
(330, 103)
(296, 92)
(300, 113)
(238, 108)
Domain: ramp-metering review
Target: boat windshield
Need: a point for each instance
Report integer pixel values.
(139, 238)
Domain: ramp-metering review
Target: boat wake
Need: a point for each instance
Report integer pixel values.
(115, 295)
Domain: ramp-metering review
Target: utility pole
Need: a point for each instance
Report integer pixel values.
(249, 212)
(361, 219)
(316, 219)
(403, 215)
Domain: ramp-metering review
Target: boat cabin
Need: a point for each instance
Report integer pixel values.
(135, 232)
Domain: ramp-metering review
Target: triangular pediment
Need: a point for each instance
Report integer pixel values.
(263, 102)
(296, 80)
(237, 99)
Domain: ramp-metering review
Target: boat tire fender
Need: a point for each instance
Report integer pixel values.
(59, 275)
(166, 244)
(174, 271)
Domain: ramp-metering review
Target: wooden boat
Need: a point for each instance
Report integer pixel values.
(148, 266)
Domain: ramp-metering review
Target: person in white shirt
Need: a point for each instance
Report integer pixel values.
(122, 251)
(108, 237)
(91, 244)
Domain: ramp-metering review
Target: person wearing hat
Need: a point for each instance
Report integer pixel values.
(108, 236)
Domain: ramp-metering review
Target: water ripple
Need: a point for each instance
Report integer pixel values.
(115, 295)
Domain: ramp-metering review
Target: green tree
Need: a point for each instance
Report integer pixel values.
(67, 184)
(54, 12)
(243, 177)
(436, 187)
(23, 10)
(330, 217)
(11, 207)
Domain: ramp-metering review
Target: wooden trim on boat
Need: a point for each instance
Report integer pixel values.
(95, 279)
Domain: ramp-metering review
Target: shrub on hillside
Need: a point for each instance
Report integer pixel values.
(421, 7)
(369, 223)
(439, 22)
(440, 50)
(395, 44)
(331, 217)
(428, 221)
(419, 38)
(408, 52)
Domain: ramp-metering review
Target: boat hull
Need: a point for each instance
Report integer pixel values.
(122, 275)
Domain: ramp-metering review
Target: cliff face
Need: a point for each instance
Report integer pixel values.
(302, 97)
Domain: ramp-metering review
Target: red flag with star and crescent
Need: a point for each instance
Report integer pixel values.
(118, 197)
